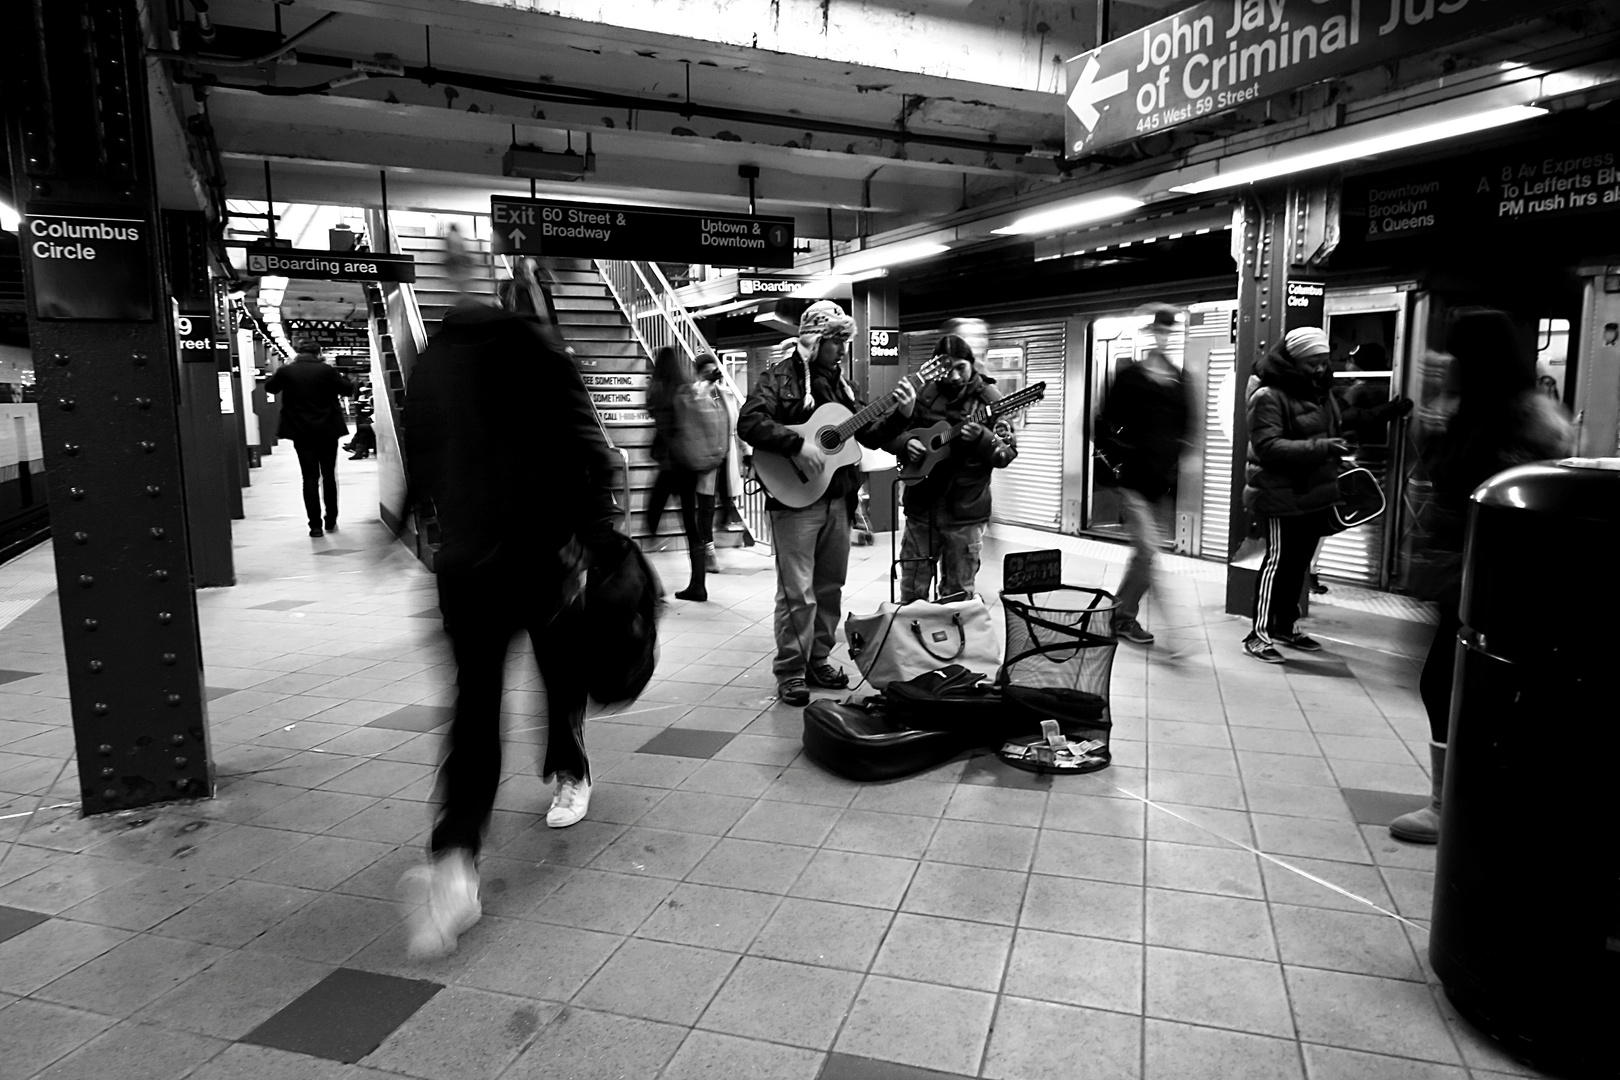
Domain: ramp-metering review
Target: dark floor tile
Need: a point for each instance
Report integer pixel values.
(14, 921)
(217, 692)
(1380, 807)
(281, 605)
(345, 1016)
(1333, 669)
(339, 551)
(430, 613)
(12, 676)
(687, 742)
(850, 1067)
(415, 718)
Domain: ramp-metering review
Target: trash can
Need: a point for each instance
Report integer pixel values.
(1526, 929)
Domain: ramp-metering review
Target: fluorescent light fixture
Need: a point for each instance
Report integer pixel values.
(889, 255)
(1364, 147)
(1068, 215)
(9, 218)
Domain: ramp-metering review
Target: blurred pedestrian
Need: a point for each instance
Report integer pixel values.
(712, 383)
(312, 417)
(672, 377)
(1143, 433)
(1500, 420)
(511, 560)
(1292, 481)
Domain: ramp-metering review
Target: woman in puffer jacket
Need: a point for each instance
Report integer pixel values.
(1291, 486)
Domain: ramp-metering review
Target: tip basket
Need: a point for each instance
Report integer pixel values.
(1062, 637)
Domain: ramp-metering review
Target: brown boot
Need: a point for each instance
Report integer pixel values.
(1423, 826)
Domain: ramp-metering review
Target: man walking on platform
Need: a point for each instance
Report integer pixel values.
(312, 418)
(811, 543)
(1142, 432)
(516, 503)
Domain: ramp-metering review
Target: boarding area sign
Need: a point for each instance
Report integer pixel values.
(1221, 54)
(317, 265)
(606, 231)
(88, 264)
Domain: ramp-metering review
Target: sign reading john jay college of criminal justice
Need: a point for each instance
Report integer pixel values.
(314, 264)
(89, 264)
(1222, 54)
(604, 231)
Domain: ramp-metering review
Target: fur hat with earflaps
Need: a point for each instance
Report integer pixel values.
(823, 319)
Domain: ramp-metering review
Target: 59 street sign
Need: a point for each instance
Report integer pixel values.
(601, 231)
(1221, 54)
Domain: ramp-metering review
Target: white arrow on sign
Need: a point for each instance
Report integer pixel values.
(1087, 92)
(516, 236)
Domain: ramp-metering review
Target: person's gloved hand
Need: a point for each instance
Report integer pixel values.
(1394, 410)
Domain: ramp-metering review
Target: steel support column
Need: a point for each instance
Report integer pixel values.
(104, 359)
(1281, 232)
(877, 306)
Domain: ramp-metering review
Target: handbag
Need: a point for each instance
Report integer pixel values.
(902, 641)
(1361, 499)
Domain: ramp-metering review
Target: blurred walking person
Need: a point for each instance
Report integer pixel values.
(1501, 419)
(1143, 434)
(511, 560)
(312, 417)
(673, 398)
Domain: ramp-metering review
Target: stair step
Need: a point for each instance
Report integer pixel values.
(569, 318)
(578, 277)
(410, 245)
(597, 291)
(609, 350)
(593, 332)
(585, 303)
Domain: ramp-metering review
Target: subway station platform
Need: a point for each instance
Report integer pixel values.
(1222, 902)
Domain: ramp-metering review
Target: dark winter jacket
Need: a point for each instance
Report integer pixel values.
(309, 391)
(958, 489)
(1144, 429)
(502, 437)
(1291, 468)
(777, 400)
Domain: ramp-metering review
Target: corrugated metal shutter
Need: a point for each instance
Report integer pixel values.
(1215, 512)
(1354, 553)
(1030, 490)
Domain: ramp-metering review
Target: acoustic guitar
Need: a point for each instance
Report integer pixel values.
(831, 429)
(936, 438)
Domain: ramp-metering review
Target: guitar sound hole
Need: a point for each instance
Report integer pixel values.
(828, 440)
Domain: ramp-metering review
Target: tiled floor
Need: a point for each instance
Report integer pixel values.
(1221, 902)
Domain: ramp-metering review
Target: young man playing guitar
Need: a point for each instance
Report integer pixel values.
(946, 512)
(811, 543)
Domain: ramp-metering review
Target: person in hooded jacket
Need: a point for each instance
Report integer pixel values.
(947, 511)
(1291, 485)
(1501, 420)
(811, 543)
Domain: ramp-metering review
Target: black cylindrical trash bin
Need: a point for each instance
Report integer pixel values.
(1526, 932)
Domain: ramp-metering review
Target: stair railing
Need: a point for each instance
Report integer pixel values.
(647, 298)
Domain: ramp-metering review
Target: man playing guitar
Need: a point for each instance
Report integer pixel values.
(811, 543)
(946, 513)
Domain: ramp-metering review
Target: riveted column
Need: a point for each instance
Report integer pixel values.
(879, 367)
(104, 357)
(1280, 232)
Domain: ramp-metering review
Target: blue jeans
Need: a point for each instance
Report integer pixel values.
(953, 548)
(811, 546)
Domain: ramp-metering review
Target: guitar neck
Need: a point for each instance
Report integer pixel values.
(987, 411)
(876, 409)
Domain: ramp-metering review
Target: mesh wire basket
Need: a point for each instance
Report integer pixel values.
(1061, 637)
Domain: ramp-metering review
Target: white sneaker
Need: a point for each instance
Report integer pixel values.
(442, 903)
(573, 798)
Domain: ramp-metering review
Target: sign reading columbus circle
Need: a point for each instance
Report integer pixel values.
(1221, 54)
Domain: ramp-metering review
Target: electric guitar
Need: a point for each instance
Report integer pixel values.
(830, 429)
(936, 438)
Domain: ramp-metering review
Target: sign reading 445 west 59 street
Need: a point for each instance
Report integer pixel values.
(1220, 54)
(605, 231)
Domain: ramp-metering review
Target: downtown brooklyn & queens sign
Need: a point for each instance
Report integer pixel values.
(1222, 54)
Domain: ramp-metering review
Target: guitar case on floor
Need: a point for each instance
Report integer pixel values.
(866, 741)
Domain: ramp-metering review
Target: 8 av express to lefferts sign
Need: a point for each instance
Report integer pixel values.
(1221, 54)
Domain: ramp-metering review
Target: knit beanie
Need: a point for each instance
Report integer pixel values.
(1306, 341)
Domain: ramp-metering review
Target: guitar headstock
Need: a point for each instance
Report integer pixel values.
(1019, 399)
(932, 369)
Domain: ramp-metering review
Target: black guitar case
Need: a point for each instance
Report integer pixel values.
(866, 742)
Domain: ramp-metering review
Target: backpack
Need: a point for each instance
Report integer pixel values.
(621, 623)
(701, 429)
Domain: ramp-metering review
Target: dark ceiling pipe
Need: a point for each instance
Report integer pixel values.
(208, 60)
(555, 93)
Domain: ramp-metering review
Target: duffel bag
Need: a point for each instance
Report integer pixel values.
(865, 742)
(902, 641)
(951, 698)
